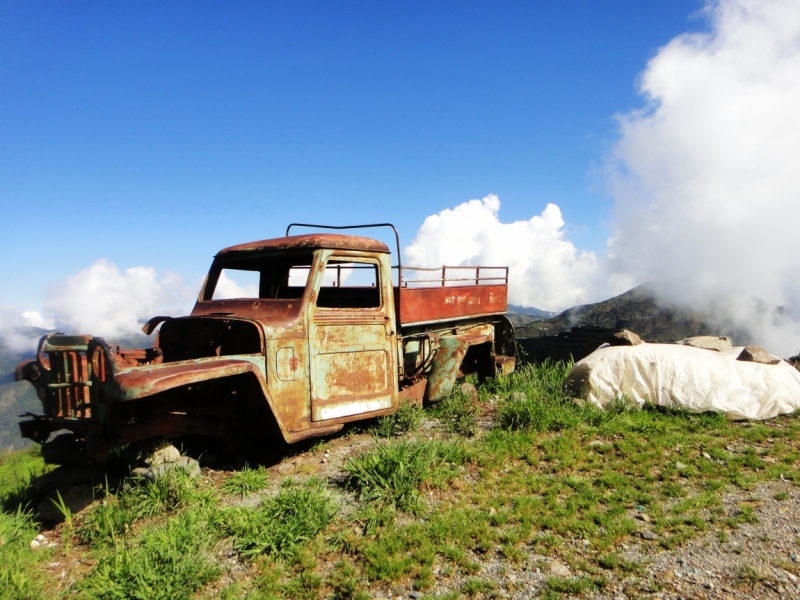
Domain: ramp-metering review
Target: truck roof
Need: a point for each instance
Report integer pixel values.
(311, 241)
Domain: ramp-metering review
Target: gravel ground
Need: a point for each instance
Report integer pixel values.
(756, 560)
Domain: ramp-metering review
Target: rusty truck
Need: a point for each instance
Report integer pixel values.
(326, 332)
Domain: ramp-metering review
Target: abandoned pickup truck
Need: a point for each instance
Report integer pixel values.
(327, 332)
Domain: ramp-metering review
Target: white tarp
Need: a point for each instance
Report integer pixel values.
(685, 377)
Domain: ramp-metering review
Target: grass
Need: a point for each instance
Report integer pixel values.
(246, 481)
(417, 509)
(282, 524)
(394, 473)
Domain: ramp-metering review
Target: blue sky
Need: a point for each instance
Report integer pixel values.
(155, 133)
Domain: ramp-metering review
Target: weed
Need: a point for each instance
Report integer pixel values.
(68, 527)
(168, 561)
(20, 578)
(393, 472)
(406, 418)
(345, 584)
(459, 413)
(281, 524)
(576, 585)
(782, 496)
(474, 586)
(246, 481)
(748, 574)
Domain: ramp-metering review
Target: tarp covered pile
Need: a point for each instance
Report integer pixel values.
(681, 376)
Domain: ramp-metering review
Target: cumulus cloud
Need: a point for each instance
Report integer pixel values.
(545, 268)
(101, 300)
(705, 176)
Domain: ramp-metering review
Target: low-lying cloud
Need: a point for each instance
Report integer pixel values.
(705, 177)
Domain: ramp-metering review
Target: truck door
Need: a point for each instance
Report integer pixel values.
(352, 337)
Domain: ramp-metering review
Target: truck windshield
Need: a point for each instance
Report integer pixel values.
(265, 276)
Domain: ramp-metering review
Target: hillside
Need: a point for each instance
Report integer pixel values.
(16, 398)
(640, 310)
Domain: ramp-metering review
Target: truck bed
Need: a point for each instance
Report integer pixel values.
(456, 293)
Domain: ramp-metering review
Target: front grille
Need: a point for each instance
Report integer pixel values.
(68, 390)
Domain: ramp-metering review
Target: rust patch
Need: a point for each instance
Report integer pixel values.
(427, 305)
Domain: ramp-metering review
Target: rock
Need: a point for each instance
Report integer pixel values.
(559, 569)
(184, 463)
(75, 497)
(644, 517)
(680, 466)
(759, 355)
(648, 535)
(626, 338)
(708, 342)
(163, 455)
(469, 390)
(519, 397)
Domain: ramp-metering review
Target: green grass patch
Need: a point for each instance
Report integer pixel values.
(282, 524)
(394, 472)
(246, 481)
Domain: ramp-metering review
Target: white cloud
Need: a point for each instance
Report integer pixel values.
(545, 269)
(103, 301)
(705, 178)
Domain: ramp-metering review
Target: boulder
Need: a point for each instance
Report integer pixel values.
(720, 343)
(165, 460)
(625, 338)
(759, 355)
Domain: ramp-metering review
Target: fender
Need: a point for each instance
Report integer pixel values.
(448, 359)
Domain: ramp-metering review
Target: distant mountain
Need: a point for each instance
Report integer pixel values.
(640, 310)
(16, 398)
(531, 312)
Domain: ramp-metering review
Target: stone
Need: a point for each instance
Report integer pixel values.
(648, 535)
(625, 338)
(164, 455)
(757, 354)
(75, 497)
(519, 397)
(718, 343)
(559, 569)
(644, 517)
(680, 466)
(469, 390)
(185, 463)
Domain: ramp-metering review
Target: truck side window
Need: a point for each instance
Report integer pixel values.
(349, 284)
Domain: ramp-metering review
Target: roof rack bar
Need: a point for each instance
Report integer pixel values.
(396, 235)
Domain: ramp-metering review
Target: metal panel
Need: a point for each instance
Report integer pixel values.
(350, 373)
(351, 350)
(427, 305)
